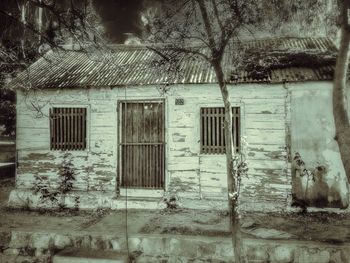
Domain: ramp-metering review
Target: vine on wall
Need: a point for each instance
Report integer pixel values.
(57, 195)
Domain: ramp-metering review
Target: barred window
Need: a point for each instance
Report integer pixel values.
(212, 130)
(68, 128)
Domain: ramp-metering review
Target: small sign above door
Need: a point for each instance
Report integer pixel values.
(179, 101)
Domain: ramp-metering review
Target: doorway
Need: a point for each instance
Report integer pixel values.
(142, 144)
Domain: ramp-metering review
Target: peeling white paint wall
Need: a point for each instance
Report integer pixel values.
(189, 173)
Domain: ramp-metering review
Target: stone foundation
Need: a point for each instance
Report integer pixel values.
(23, 198)
(29, 245)
(26, 199)
(90, 200)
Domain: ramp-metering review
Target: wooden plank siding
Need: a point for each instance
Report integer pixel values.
(145, 141)
(94, 166)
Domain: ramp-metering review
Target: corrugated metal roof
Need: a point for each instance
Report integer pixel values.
(130, 65)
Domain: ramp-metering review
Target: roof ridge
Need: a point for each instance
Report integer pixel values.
(143, 46)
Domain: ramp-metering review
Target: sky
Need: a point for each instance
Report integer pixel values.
(117, 16)
(120, 17)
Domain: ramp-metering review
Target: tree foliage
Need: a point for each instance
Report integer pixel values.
(259, 63)
(29, 28)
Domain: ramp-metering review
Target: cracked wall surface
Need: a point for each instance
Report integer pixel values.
(312, 133)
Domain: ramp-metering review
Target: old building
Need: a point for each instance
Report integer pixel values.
(124, 127)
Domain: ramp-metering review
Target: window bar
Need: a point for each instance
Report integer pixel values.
(222, 130)
(212, 131)
(84, 128)
(57, 128)
(209, 129)
(238, 129)
(234, 127)
(60, 123)
(75, 111)
(51, 129)
(68, 129)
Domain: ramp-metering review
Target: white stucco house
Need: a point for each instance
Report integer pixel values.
(125, 128)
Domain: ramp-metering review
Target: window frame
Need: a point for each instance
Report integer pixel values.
(87, 127)
(208, 151)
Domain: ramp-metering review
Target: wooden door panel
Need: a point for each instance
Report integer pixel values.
(142, 144)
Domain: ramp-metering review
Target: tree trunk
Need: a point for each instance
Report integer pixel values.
(40, 21)
(341, 118)
(232, 186)
(24, 22)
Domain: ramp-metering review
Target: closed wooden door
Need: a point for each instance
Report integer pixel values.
(142, 147)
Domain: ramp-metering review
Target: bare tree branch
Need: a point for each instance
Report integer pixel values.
(208, 28)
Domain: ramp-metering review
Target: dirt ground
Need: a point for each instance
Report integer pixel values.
(317, 226)
(190, 222)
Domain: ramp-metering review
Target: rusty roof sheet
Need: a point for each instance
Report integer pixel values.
(130, 65)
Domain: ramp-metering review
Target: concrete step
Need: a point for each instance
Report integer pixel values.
(140, 203)
(89, 256)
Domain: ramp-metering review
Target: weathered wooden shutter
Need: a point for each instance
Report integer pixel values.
(212, 129)
(68, 128)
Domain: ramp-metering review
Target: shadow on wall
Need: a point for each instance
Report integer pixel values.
(317, 188)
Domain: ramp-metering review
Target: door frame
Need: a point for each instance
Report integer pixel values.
(139, 192)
